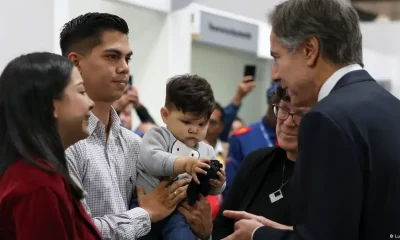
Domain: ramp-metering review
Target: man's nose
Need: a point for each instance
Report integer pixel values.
(274, 73)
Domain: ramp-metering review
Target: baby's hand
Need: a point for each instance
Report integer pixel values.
(218, 183)
(194, 167)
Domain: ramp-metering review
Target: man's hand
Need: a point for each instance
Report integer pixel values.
(218, 183)
(199, 217)
(239, 215)
(245, 86)
(244, 230)
(162, 201)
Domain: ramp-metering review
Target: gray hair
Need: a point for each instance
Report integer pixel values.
(335, 24)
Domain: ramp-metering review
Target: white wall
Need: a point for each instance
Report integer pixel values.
(382, 51)
(382, 37)
(223, 68)
(257, 9)
(25, 26)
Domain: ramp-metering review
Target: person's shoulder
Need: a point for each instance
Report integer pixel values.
(243, 131)
(130, 136)
(32, 179)
(262, 154)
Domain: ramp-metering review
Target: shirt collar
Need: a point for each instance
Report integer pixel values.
(94, 123)
(332, 80)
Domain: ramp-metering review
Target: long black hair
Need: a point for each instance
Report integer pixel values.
(28, 130)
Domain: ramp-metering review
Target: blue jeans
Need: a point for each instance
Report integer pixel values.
(173, 227)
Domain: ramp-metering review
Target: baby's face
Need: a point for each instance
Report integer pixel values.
(186, 127)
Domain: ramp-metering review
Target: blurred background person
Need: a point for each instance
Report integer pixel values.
(144, 127)
(43, 110)
(255, 136)
(264, 172)
(236, 125)
(123, 106)
(215, 127)
(245, 86)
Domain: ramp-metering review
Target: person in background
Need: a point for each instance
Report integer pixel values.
(264, 172)
(245, 86)
(255, 136)
(123, 107)
(43, 110)
(143, 128)
(105, 162)
(346, 184)
(236, 125)
(215, 127)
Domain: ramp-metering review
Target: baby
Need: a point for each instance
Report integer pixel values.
(178, 148)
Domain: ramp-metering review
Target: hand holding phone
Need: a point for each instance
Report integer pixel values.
(250, 70)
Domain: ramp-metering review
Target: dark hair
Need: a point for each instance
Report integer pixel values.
(239, 119)
(221, 110)
(28, 131)
(85, 32)
(280, 94)
(334, 23)
(190, 94)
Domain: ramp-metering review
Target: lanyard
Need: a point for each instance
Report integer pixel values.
(264, 132)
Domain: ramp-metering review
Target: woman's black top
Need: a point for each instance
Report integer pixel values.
(262, 173)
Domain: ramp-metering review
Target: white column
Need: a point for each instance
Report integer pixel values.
(27, 26)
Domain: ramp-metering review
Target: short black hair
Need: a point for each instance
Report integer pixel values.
(221, 110)
(190, 94)
(85, 32)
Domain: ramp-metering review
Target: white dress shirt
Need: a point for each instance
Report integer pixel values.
(332, 80)
(107, 172)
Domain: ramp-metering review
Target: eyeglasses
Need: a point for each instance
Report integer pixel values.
(283, 114)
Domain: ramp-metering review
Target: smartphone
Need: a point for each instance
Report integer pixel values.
(250, 70)
(130, 80)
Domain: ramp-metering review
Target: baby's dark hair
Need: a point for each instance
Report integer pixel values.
(190, 94)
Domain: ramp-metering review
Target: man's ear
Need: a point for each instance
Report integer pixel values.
(164, 114)
(76, 59)
(311, 51)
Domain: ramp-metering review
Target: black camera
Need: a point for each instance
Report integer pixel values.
(203, 188)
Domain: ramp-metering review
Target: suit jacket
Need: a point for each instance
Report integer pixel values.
(347, 177)
(35, 204)
(247, 181)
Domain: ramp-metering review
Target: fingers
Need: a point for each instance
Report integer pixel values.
(184, 211)
(206, 161)
(177, 184)
(199, 170)
(140, 191)
(238, 215)
(247, 79)
(186, 206)
(163, 183)
(178, 196)
(221, 176)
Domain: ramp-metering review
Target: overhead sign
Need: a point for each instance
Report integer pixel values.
(225, 32)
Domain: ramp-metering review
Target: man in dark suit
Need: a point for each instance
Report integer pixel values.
(346, 184)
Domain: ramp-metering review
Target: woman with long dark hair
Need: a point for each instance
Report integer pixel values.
(43, 110)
